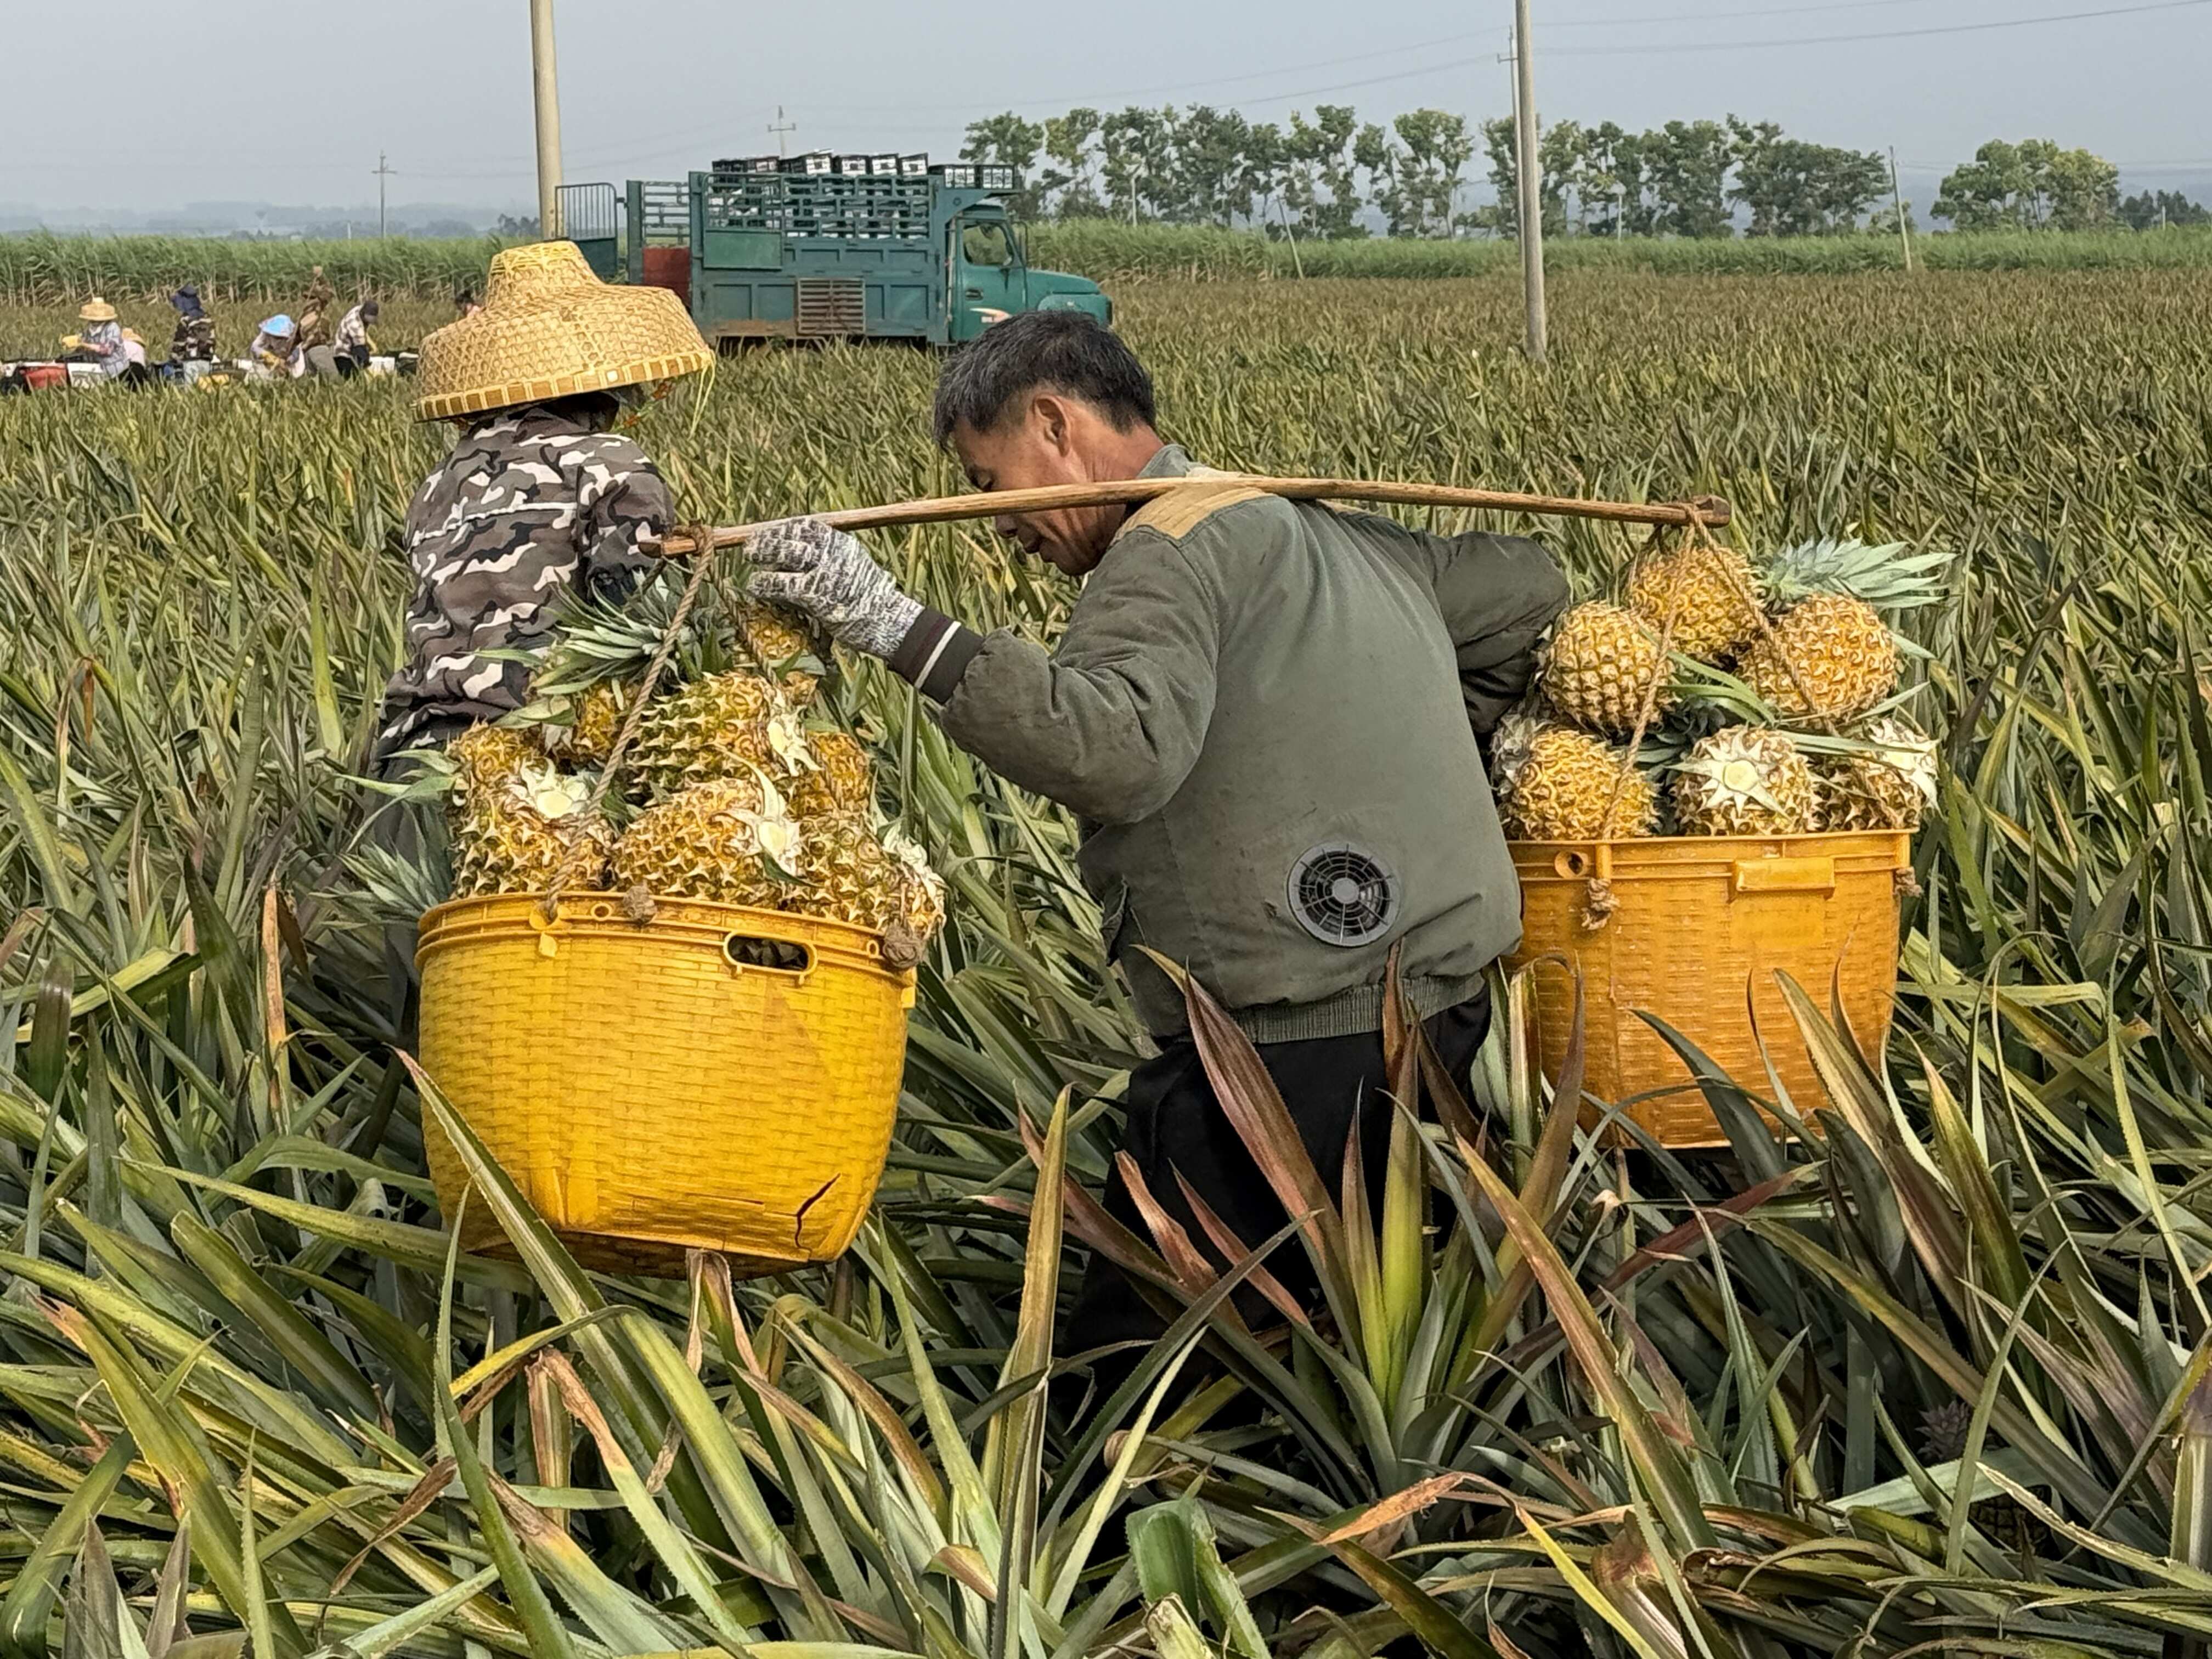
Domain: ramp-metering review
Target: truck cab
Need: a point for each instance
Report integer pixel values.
(825, 248)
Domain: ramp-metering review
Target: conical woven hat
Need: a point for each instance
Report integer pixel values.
(96, 310)
(549, 329)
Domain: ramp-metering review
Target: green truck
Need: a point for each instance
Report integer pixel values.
(827, 248)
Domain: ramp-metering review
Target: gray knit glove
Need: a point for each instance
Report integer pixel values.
(806, 565)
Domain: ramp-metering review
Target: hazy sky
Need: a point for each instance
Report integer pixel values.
(142, 104)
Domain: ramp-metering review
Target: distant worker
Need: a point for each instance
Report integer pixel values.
(538, 498)
(464, 301)
(352, 344)
(1267, 715)
(194, 340)
(275, 353)
(101, 340)
(315, 308)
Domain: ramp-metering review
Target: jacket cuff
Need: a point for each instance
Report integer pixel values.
(935, 654)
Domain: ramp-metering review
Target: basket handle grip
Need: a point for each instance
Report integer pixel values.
(1786, 875)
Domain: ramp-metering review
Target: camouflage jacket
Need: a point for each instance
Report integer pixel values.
(194, 340)
(528, 505)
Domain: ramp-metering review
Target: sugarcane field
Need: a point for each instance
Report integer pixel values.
(870, 906)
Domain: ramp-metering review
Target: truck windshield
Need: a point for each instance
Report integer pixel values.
(986, 242)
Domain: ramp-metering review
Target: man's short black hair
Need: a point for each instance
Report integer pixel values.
(1068, 351)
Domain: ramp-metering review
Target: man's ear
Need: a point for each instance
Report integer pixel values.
(1054, 421)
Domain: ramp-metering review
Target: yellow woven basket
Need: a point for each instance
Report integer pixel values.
(1703, 923)
(653, 1087)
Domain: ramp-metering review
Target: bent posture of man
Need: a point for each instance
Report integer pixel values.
(1267, 715)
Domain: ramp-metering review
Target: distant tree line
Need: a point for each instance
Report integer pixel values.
(1331, 176)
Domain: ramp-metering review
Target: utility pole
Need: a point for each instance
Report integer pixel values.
(1897, 198)
(1525, 142)
(546, 88)
(779, 127)
(383, 172)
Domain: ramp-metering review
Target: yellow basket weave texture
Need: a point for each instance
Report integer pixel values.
(1703, 924)
(649, 1090)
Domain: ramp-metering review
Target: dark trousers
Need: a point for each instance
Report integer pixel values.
(1176, 1124)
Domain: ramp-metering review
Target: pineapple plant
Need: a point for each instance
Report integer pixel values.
(1745, 780)
(1714, 593)
(1599, 666)
(1559, 787)
(727, 839)
(1886, 785)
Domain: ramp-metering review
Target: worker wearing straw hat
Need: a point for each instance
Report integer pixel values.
(539, 498)
(101, 340)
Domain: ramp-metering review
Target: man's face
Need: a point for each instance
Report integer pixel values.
(1051, 440)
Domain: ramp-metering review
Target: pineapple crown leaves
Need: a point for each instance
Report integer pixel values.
(774, 831)
(1883, 575)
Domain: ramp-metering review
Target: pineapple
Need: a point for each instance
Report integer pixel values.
(1841, 650)
(1559, 787)
(593, 719)
(1601, 664)
(517, 833)
(728, 840)
(1885, 787)
(1716, 608)
(1515, 734)
(772, 644)
(720, 727)
(1745, 780)
(488, 755)
(840, 779)
(852, 875)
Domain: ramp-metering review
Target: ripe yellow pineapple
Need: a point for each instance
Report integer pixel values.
(1744, 780)
(841, 780)
(854, 875)
(1600, 665)
(583, 734)
(1887, 788)
(488, 754)
(515, 834)
(727, 840)
(774, 645)
(1716, 608)
(723, 726)
(1841, 649)
(1558, 788)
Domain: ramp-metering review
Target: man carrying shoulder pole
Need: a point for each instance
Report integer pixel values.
(1267, 715)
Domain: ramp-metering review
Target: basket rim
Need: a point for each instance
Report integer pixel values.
(717, 917)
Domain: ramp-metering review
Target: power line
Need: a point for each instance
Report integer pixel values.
(1886, 34)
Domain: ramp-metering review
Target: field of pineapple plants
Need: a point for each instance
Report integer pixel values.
(1926, 1369)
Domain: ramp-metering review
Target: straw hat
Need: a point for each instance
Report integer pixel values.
(549, 328)
(95, 310)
